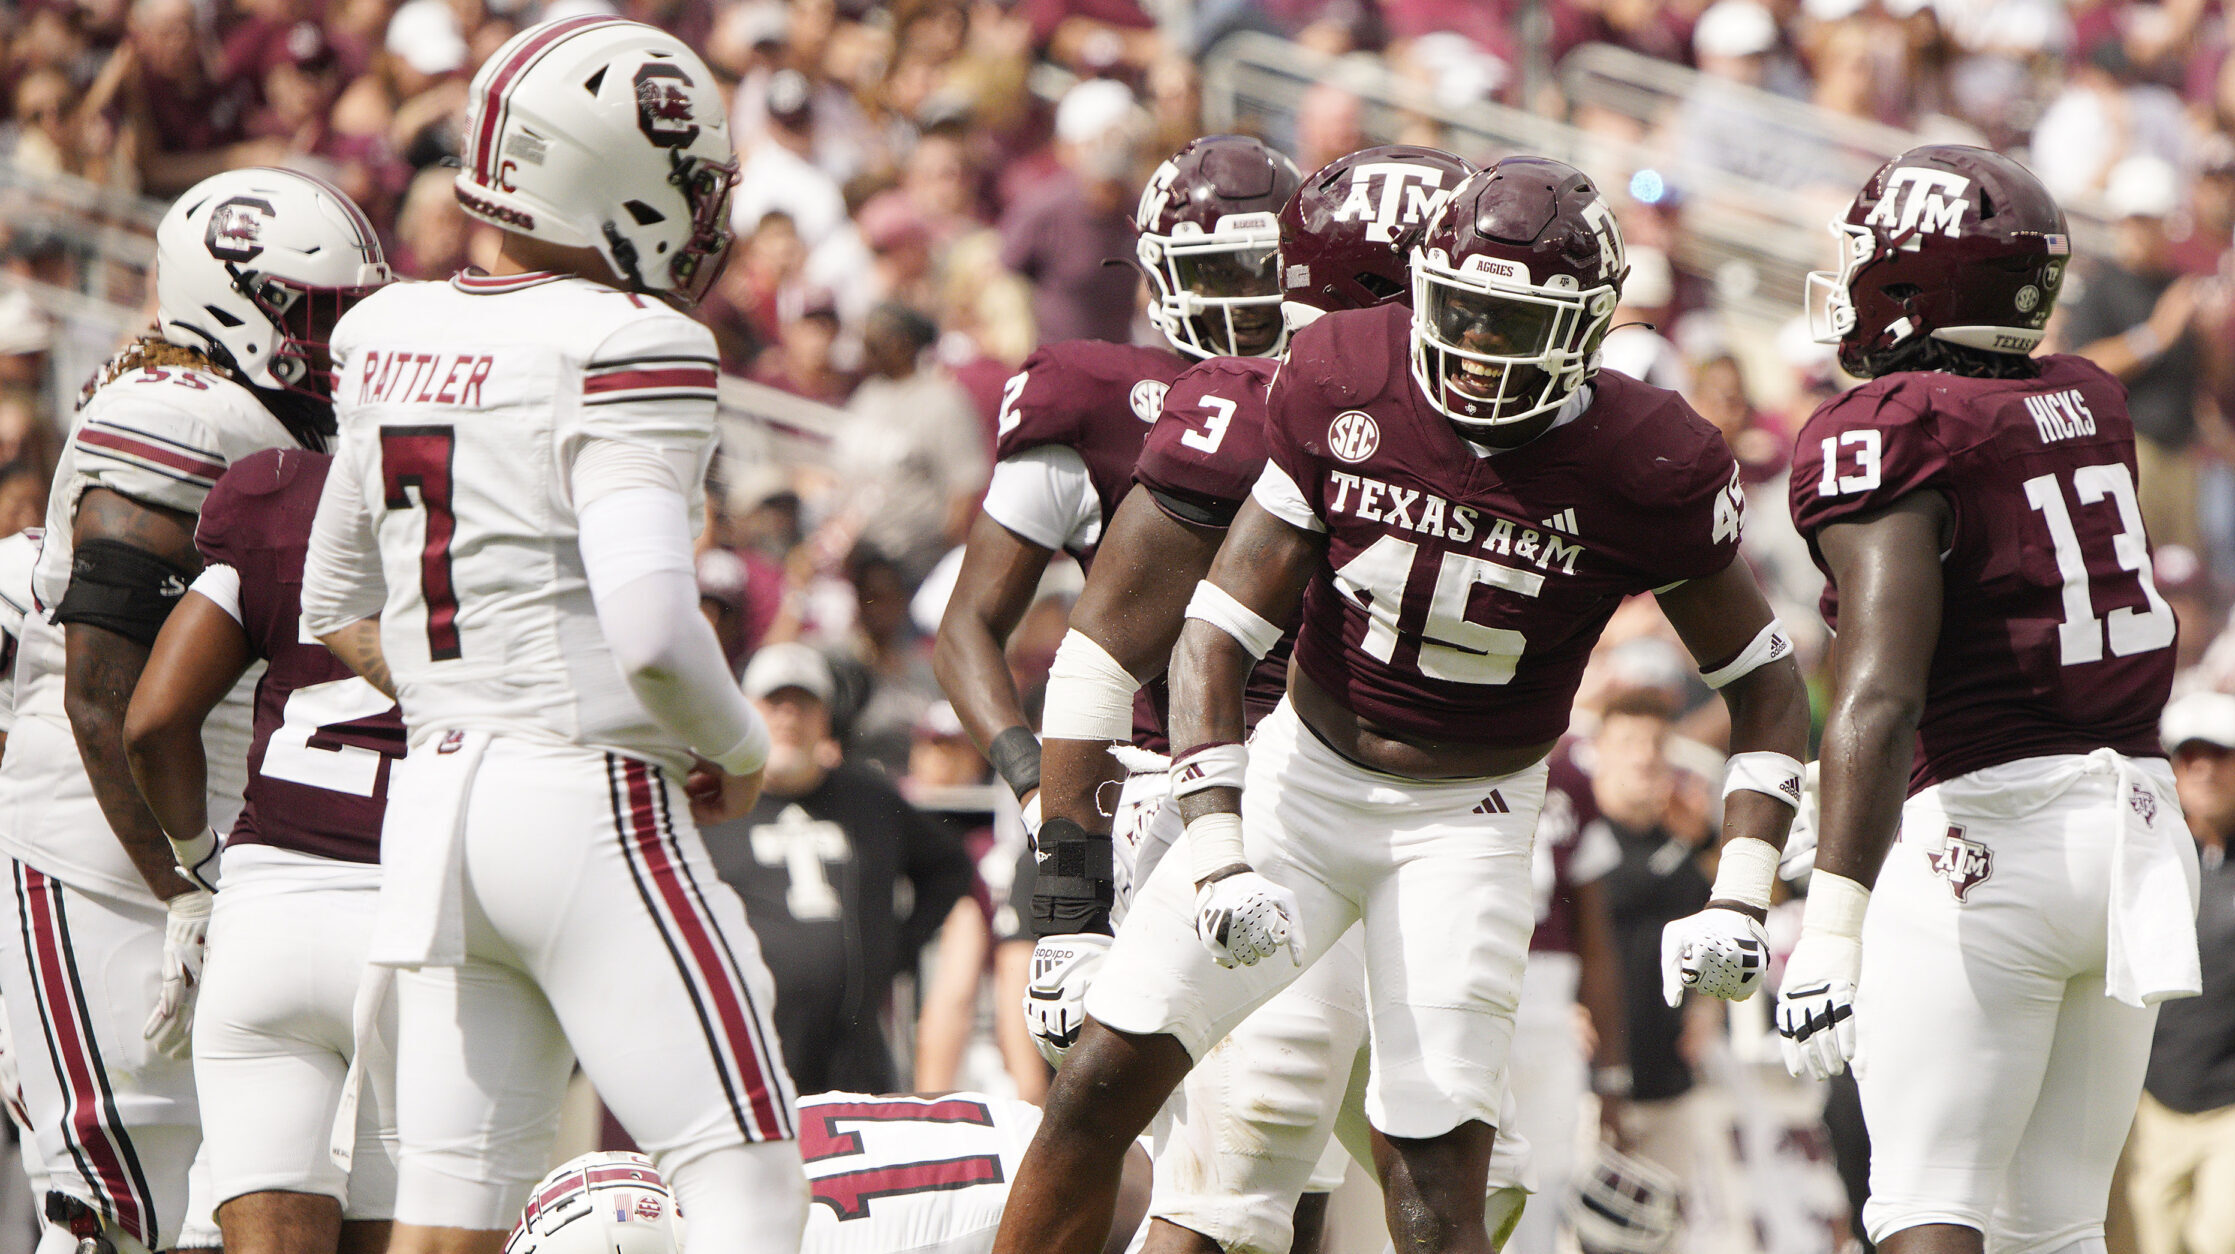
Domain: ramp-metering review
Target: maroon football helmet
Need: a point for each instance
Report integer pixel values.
(1959, 244)
(1347, 233)
(1514, 282)
(1210, 242)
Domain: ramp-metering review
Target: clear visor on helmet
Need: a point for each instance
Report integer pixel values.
(1220, 293)
(1831, 311)
(1492, 355)
(699, 262)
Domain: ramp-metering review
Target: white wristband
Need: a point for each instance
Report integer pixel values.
(1745, 872)
(1771, 774)
(1089, 696)
(1835, 907)
(1209, 766)
(1215, 843)
(1766, 647)
(1217, 606)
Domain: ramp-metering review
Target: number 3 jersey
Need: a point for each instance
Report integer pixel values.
(2053, 639)
(463, 406)
(160, 436)
(324, 739)
(1462, 593)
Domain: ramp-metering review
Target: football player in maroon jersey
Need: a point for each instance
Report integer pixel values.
(1344, 238)
(1452, 505)
(1072, 422)
(301, 869)
(2003, 659)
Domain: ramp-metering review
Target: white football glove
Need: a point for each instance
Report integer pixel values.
(185, 942)
(1244, 917)
(1721, 952)
(1055, 999)
(197, 858)
(1816, 1007)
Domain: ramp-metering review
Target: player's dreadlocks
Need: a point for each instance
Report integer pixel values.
(152, 352)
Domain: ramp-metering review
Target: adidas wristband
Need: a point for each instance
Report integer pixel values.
(1771, 774)
(1221, 764)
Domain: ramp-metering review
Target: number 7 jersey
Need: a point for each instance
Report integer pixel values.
(449, 512)
(2053, 638)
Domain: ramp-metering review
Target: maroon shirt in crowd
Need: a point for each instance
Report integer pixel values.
(1461, 594)
(2051, 638)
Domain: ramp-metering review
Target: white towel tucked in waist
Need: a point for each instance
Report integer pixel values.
(422, 855)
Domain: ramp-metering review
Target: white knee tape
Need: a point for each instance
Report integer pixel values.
(1770, 645)
(1090, 696)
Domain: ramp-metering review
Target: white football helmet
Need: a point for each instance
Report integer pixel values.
(607, 1202)
(596, 132)
(1624, 1205)
(255, 266)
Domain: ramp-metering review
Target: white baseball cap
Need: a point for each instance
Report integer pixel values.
(2205, 716)
(2143, 186)
(789, 665)
(1734, 28)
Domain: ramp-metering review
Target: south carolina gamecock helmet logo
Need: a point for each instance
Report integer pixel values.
(236, 229)
(663, 109)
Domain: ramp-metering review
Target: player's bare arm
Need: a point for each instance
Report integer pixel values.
(358, 647)
(104, 662)
(1000, 572)
(1727, 624)
(200, 655)
(1887, 569)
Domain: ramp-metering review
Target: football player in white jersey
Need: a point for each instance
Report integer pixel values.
(504, 543)
(252, 269)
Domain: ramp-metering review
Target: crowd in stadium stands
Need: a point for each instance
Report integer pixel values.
(930, 188)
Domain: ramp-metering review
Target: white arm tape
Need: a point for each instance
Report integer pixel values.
(1767, 647)
(1217, 606)
(1771, 774)
(1747, 869)
(1211, 766)
(1214, 843)
(1836, 906)
(1089, 696)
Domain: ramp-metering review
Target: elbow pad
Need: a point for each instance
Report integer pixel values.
(118, 587)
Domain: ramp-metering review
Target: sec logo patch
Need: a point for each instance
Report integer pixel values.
(1354, 435)
(1148, 399)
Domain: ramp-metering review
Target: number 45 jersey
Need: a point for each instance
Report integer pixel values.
(318, 766)
(1463, 592)
(463, 406)
(2053, 638)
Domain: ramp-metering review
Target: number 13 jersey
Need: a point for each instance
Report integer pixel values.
(2053, 638)
(463, 406)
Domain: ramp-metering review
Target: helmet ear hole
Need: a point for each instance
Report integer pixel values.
(595, 81)
(222, 317)
(644, 214)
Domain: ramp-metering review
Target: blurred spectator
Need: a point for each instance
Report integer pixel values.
(1638, 345)
(2186, 585)
(778, 175)
(190, 123)
(885, 663)
(914, 454)
(1091, 37)
(1072, 237)
(2097, 122)
(1761, 443)
(431, 229)
(23, 496)
(2181, 1156)
(950, 782)
(2133, 316)
(743, 309)
(804, 362)
(739, 592)
(819, 862)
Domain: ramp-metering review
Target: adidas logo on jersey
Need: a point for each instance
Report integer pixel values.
(1492, 804)
(1562, 521)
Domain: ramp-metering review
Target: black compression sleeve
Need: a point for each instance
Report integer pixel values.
(123, 589)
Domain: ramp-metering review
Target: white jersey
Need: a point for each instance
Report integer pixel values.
(463, 406)
(910, 1175)
(18, 553)
(160, 436)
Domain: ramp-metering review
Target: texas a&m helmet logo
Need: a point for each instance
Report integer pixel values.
(1963, 862)
(236, 230)
(1391, 195)
(663, 107)
(1921, 201)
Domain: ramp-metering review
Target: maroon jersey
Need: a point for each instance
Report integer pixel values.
(1098, 399)
(2052, 637)
(1092, 397)
(1202, 457)
(1461, 594)
(318, 765)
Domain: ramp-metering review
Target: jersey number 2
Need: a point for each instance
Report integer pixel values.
(2080, 636)
(418, 458)
(291, 754)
